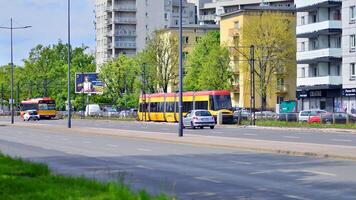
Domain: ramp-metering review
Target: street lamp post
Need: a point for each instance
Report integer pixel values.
(68, 84)
(180, 132)
(11, 28)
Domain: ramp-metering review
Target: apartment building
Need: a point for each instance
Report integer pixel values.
(123, 26)
(326, 55)
(282, 85)
(209, 11)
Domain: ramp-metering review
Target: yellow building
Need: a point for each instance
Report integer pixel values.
(191, 35)
(282, 86)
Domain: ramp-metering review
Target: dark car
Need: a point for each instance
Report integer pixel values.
(290, 117)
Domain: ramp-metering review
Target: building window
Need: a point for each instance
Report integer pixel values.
(352, 14)
(237, 25)
(352, 71)
(302, 48)
(352, 43)
(302, 75)
(165, 16)
(185, 39)
(302, 21)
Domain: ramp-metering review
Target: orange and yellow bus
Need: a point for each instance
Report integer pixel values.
(46, 107)
(163, 107)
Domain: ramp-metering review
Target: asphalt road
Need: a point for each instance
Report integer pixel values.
(190, 172)
(301, 136)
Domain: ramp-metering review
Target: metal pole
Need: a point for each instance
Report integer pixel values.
(2, 96)
(83, 99)
(180, 68)
(69, 103)
(252, 84)
(12, 78)
(18, 94)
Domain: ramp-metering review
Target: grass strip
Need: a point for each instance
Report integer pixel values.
(22, 180)
(272, 123)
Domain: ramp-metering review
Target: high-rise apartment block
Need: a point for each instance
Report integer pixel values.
(326, 54)
(123, 26)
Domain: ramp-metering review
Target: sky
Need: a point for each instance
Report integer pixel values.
(48, 19)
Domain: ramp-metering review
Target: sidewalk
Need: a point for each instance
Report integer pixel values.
(289, 148)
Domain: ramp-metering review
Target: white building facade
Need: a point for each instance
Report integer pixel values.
(324, 55)
(123, 26)
(209, 11)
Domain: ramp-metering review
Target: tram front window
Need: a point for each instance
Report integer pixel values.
(219, 102)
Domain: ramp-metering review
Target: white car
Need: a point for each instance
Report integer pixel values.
(305, 115)
(31, 114)
(199, 118)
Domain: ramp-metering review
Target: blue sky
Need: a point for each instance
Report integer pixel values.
(48, 19)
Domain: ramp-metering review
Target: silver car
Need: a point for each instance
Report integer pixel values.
(199, 118)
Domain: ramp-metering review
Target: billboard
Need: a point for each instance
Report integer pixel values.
(88, 83)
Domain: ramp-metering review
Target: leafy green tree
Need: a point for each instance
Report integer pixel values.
(207, 66)
(161, 52)
(122, 80)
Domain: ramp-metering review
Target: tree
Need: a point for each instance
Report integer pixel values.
(121, 77)
(273, 35)
(207, 67)
(45, 71)
(161, 52)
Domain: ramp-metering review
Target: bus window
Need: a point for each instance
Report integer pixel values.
(47, 105)
(219, 102)
(26, 106)
(201, 105)
(153, 107)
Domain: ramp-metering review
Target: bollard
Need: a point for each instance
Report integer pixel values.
(334, 118)
(287, 117)
(347, 118)
(219, 118)
(239, 119)
(321, 118)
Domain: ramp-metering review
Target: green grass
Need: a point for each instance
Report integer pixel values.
(22, 180)
(271, 123)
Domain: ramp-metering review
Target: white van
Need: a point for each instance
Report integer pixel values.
(93, 110)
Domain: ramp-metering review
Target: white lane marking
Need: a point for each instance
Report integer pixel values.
(218, 132)
(87, 142)
(200, 193)
(112, 145)
(250, 134)
(65, 139)
(308, 171)
(144, 167)
(261, 172)
(205, 178)
(319, 172)
(291, 137)
(341, 140)
(295, 197)
(240, 162)
(142, 149)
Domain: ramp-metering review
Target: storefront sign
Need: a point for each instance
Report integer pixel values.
(349, 92)
(316, 93)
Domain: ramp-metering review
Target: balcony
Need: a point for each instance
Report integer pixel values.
(321, 28)
(124, 20)
(125, 8)
(125, 45)
(207, 17)
(321, 80)
(307, 5)
(130, 33)
(282, 89)
(319, 55)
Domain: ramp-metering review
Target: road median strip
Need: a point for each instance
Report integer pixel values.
(281, 147)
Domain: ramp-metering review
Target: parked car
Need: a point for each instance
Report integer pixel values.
(31, 115)
(199, 118)
(93, 110)
(290, 117)
(266, 113)
(124, 114)
(110, 112)
(305, 115)
(243, 113)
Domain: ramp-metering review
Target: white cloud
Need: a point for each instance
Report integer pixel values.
(48, 19)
